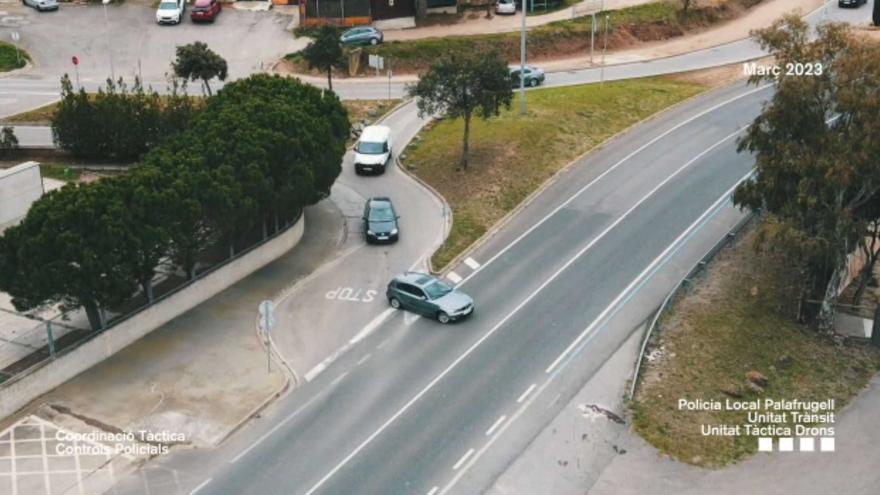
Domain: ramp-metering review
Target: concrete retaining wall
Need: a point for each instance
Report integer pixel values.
(20, 186)
(20, 391)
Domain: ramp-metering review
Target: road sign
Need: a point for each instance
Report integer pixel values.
(377, 62)
(267, 316)
(74, 60)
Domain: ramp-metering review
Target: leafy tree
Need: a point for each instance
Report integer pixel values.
(8, 141)
(816, 154)
(118, 123)
(69, 249)
(196, 61)
(325, 53)
(462, 84)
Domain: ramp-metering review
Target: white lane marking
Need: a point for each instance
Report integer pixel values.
(526, 393)
(433, 490)
(454, 277)
(472, 263)
(463, 459)
(641, 275)
(495, 425)
(275, 428)
(364, 359)
(383, 343)
(606, 172)
(485, 336)
(338, 379)
(544, 385)
(312, 373)
(201, 485)
(372, 326)
(367, 330)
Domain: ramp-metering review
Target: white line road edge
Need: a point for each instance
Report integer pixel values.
(504, 320)
(463, 459)
(201, 485)
(495, 425)
(608, 171)
(523, 407)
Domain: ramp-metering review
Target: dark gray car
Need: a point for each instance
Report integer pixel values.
(429, 296)
(380, 221)
(361, 35)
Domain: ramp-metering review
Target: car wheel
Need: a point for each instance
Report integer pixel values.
(442, 317)
(394, 302)
(533, 83)
(374, 41)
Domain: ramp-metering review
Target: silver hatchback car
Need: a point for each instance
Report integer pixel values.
(427, 295)
(41, 5)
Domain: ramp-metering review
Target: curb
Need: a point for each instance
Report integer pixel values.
(14, 72)
(504, 220)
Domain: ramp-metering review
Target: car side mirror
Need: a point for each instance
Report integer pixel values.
(397, 217)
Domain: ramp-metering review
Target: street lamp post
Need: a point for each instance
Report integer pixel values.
(522, 61)
(107, 31)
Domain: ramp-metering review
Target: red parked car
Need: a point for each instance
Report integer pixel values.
(205, 10)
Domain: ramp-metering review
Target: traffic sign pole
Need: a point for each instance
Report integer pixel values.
(75, 61)
(267, 321)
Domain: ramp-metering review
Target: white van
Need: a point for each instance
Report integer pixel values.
(372, 153)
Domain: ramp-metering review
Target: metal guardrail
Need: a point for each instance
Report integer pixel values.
(685, 283)
(83, 336)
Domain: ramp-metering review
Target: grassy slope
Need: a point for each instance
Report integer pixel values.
(511, 155)
(739, 318)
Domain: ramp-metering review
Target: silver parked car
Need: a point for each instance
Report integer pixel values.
(41, 5)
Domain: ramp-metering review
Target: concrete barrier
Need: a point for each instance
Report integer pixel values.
(21, 390)
(20, 186)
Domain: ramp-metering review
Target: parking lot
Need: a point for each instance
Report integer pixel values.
(249, 41)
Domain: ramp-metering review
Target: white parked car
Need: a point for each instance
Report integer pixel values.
(505, 7)
(41, 5)
(170, 11)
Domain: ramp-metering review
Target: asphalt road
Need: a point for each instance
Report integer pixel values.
(399, 412)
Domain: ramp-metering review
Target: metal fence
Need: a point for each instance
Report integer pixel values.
(685, 284)
(30, 346)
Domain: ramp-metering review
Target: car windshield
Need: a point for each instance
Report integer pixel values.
(437, 289)
(381, 213)
(368, 148)
(168, 6)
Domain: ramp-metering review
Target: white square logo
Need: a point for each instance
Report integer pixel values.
(765, 444)
(786, 444)
(826, 444)
(807, 445)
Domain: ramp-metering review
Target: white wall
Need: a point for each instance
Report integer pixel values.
(20, 186)
(19, 391)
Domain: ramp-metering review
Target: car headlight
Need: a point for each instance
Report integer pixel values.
(370, 232)
(393, 231)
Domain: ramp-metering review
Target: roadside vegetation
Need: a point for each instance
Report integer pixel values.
(511, 155)
(739, 320)
(629, 26)
(8, 58)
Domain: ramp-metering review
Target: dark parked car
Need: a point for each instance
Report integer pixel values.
(533, 76)
(362, 35)
(380, 221)
(851, 3)
(429, 296)
(205, 10)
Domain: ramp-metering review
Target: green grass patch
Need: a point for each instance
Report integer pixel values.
(8, 58)
(739, 318)
(60, 172)
(512, 155)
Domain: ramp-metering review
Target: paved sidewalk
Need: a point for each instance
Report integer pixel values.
(203, 373)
